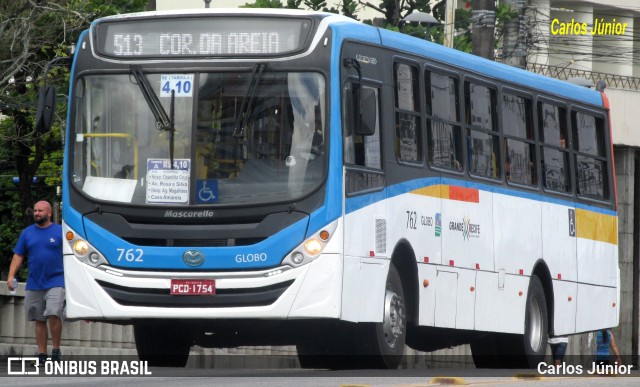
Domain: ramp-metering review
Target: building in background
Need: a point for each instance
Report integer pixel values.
(363, 12)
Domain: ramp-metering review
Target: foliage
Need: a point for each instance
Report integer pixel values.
(264, 4)
(315, 5)
(347, 7)
(32, 33)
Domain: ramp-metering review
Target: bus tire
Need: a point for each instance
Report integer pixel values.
(162, 345)
(484, 351)
(383, 343)
(332, 347)
(536, 330)
(528, 350)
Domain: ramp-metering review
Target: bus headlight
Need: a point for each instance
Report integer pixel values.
(311, 248)
(81, 248)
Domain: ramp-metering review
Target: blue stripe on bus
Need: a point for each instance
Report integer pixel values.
(359, 202)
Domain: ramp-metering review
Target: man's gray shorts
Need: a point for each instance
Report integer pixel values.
(38, 304)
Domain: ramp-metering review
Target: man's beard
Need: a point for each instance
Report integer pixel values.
(42, 220)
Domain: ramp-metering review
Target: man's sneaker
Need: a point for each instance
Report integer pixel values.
(42, 358)
(56, 355)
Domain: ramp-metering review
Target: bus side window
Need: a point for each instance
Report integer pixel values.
(519, 142)
(483, 144)
(362, 152)
(552, 123)
(590, 155)
(407, 104)
(444, 130)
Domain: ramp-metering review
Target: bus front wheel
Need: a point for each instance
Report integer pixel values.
(162, 345)
(383, 343)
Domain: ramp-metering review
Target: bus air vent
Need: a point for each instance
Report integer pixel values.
(381, 236)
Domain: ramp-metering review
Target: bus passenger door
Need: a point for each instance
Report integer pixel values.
(559, 251)
(365, 211)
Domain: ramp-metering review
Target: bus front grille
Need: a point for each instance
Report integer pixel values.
(224, 298)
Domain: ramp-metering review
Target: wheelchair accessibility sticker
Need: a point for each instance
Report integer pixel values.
(207, 191)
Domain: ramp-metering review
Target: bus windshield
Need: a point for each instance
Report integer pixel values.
(240, 138)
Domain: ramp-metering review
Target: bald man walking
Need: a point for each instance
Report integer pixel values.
(41, 243)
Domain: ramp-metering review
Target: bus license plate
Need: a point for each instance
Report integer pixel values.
(192, 287)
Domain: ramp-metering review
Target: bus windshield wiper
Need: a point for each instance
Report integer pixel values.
(247, 101)
(164, 121)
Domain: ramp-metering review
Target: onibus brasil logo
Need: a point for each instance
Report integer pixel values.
(32, 366)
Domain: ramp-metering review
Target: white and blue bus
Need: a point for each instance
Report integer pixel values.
(263, 177)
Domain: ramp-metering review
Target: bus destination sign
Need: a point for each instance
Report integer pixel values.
(200, 37)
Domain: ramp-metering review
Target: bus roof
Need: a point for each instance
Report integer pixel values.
(488, 68)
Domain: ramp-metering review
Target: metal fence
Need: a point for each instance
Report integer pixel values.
(565, 73)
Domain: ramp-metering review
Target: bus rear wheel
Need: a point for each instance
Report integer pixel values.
(162, 345)
(536, 331)
(502, 350)
(528, 350)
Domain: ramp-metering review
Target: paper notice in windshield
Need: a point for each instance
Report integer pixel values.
(166, 184)
(180, 84)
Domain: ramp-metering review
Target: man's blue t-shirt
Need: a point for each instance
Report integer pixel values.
(43, 249)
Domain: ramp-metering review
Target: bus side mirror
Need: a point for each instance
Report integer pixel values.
(46, 108)
(367, 112)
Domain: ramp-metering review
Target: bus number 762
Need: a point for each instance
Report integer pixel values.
(130, 255)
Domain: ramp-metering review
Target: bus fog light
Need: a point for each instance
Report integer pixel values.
(312, 247)
(297, 257)
(94, 258)
(81, 248)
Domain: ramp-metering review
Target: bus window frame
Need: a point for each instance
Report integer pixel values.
(459, 76)
(348, 167)
(535, 141)
(419, 110)
(607, 158)
(472, 78)
(569, 145)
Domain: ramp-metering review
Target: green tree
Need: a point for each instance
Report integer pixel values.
(264, 4)
(315, 5)
(32, 33)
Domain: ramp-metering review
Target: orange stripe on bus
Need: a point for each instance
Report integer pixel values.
(436, 191)
(464, 194)
(450, 192)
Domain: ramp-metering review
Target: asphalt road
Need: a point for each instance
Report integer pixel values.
(319, 378)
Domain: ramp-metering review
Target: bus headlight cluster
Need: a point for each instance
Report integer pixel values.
(83, 251)
(311, 248)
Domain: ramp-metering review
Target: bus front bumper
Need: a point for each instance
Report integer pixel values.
(106, 293)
